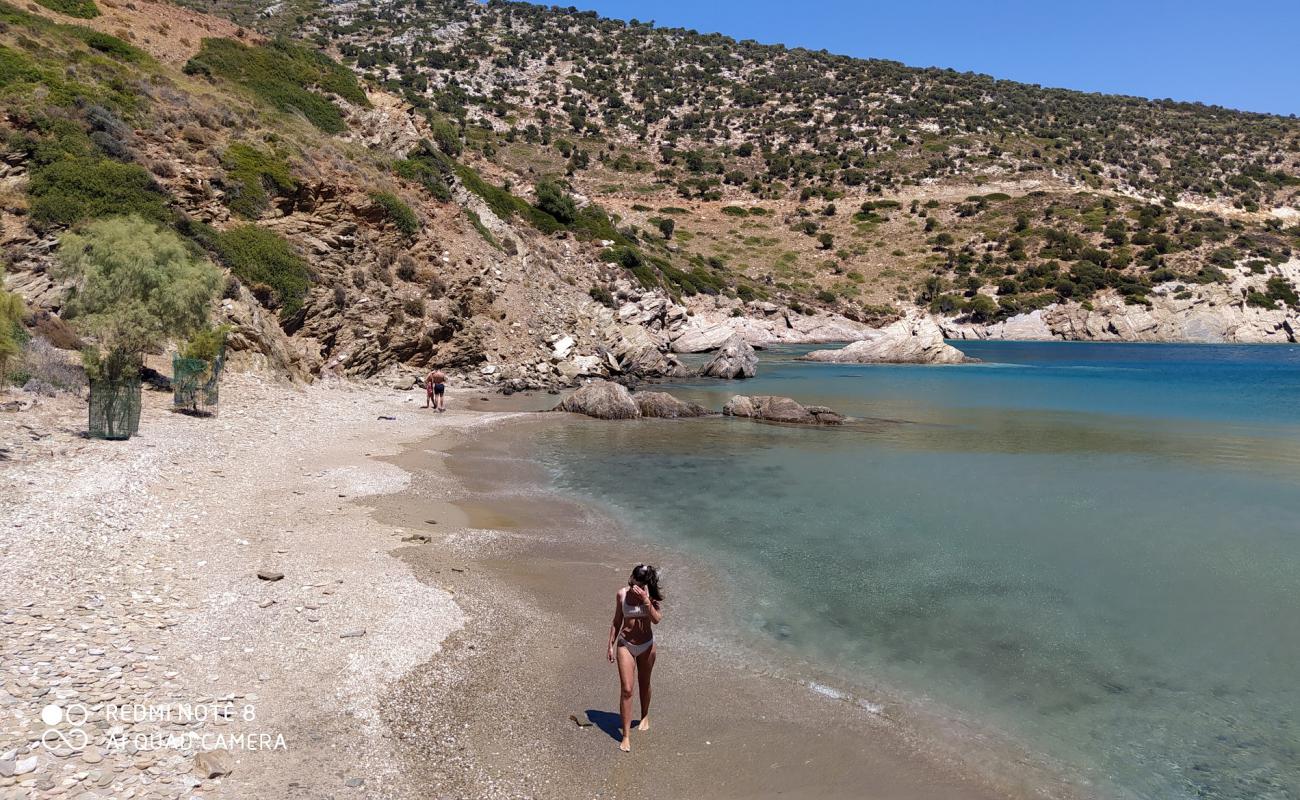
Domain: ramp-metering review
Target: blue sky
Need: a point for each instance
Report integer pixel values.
(1242, 54)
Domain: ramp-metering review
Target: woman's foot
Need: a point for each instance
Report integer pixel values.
(626, 744)
(644, 724)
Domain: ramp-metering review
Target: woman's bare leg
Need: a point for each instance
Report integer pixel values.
(645, 664)
(626, 675)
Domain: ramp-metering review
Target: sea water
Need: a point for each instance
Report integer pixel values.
(1094, 548)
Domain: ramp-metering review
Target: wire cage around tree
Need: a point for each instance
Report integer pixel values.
(114, 408)
(194, 384)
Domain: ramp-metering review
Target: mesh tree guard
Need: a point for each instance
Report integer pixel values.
(114, 408)
(194, 385)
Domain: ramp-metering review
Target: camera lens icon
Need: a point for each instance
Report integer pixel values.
(52, 715)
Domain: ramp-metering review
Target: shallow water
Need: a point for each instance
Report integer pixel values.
(1094, 548)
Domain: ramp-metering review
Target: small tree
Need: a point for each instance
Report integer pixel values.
(11, 315)
(827, 241)
(554, 200)
(135, 285)
(666, 226)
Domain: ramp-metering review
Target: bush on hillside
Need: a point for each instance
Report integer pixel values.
(397, 212)
(254, 175)
(553, 199)
(71, 190)
(262, 258)
(81, 9)
(285, 75)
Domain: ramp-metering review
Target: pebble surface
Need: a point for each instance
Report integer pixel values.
(136, 579)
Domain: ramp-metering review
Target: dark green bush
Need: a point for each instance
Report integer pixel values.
(398, 212)
(553, 199)
(70, 190)
(82, 9)
(285, 75)
(254, 174)
(259, 256)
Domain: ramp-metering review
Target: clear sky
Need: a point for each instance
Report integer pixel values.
(1237, 53)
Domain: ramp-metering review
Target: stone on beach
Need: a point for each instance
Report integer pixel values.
(915, 340)
(212, 763)
(735, 359)
(780, 409)
(269, 575)
(602, 400)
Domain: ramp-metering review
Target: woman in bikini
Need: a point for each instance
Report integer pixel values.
(632, 643)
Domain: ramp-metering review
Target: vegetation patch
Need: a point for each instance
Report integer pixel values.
(81, 9)
(254, 175)
(285, 75)
(267, 264)
(71, 190)
(397, 212)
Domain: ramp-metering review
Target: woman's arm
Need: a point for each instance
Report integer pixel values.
(652, 606)
(616, 625)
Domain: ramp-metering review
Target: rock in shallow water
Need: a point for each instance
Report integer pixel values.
(780, 409)
(665, 406)
(916, 340)
(735, 359)
(602, 400)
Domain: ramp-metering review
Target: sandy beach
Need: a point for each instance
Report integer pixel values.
(426, 620)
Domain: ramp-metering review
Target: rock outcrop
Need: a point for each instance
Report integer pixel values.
(780, 409)
(714, 320)
(735, 359)
(664, 406)
(602, 400)
(914, 340)
(1211, 313)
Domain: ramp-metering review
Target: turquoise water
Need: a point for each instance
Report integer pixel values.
(1095, 548)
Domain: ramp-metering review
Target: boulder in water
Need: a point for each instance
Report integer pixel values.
(780, 409)
(602, 400)
(735, 359)
(915, 340)
(664, 405)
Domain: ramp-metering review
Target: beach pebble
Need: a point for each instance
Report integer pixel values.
(355, 783)
(212, 763)
(269, 575)
(25, 765)
(353, 634)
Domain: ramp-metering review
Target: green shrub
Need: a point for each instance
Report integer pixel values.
(553, 199)
(81, 9)
(735, 211)
(428, 166)
(398, 212)
(206, 344)
(70, 190)
(1280, 289)
(259, 256)
(108, 45)
(285, 75)
(253, 174)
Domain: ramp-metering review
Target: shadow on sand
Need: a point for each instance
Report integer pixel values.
(609, 722)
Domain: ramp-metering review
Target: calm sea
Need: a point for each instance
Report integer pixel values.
(1094, 548)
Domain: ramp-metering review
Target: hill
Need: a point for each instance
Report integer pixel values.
(534, 194)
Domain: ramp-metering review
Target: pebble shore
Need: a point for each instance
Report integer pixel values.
(131, 602)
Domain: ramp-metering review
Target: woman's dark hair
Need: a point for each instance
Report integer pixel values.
(648, 575)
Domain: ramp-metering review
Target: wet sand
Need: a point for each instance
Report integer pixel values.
(536, 574)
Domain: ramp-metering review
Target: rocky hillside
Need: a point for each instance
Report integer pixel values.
(527, 196)
(858, 187)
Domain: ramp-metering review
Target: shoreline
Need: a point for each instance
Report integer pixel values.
(442, 614)
(532, 653)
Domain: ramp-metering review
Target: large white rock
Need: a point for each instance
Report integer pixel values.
(914, 340)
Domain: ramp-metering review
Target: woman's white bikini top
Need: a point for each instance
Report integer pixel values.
(633, 612)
